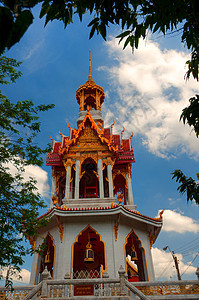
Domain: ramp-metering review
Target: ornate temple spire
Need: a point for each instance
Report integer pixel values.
(90, 96)
(89, 74)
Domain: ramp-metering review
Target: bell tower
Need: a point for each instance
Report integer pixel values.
(92, 163)
(93, 226)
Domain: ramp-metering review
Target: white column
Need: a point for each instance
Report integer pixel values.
(130, 191)
(67, 189)
(52, 190)
(101, 184)
(77, 175)
(110, 181)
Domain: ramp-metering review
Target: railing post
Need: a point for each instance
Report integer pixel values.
(44, 290)
(106, 285)
(122, 281)
(68, 287)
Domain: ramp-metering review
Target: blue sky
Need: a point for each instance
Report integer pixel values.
(145, 93)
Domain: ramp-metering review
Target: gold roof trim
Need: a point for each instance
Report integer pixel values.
(81, 128)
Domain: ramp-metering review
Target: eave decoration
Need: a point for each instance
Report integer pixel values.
(78, 132)
(61, 228)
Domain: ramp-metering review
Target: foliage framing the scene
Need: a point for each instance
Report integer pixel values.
(187, 186)
(135, 17)
(19, 199)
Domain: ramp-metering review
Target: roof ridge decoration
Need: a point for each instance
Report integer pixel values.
(77, 133)
(107, 208)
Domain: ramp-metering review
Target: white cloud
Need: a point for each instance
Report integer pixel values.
(25, 275)
(36, 172)
(42, 179)
(164, 265)
(175, 221)
(148, 95)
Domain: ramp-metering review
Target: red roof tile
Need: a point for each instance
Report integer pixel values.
(116, 139)
(126, 145)
(107, 133)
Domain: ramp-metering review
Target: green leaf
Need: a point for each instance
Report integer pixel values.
(23, 21)
(94, 22)
(93, 28)
(19, 199)
(123, 34)
(128, 40)
(44, 9)
(6, 23)
(190, 114)
(187, 185)
(102, 30)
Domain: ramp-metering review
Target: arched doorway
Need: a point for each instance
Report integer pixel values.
(46, 258)
(134, 252)
(120, 191)
(89, 184)
(81, 267)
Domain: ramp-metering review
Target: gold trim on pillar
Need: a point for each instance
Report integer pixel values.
(152, 238)
(61, 228)
(116, 226)
(129, 171)
(68, 162)
(80, 177)
(32, 241)
(53, 173)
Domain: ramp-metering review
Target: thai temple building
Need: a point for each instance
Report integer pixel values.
(94, 227)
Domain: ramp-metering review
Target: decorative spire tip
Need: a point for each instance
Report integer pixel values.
(89, 75)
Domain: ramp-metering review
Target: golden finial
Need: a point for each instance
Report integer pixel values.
(69, 126)
(161, 213)
(113, 124)
(61, 133)
(111, 140)
(122, 132)
(131, 140)
(52, 138)
(70, 130)
(89, 74)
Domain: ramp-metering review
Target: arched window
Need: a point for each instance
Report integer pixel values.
(89, 184)
(120, 191)
(135, 253)
(81, 267)
(91, 102)
(46, 257)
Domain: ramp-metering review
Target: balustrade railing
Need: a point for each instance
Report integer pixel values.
(59, 289)
(16, 293)
(103, 288)
(183, 287)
